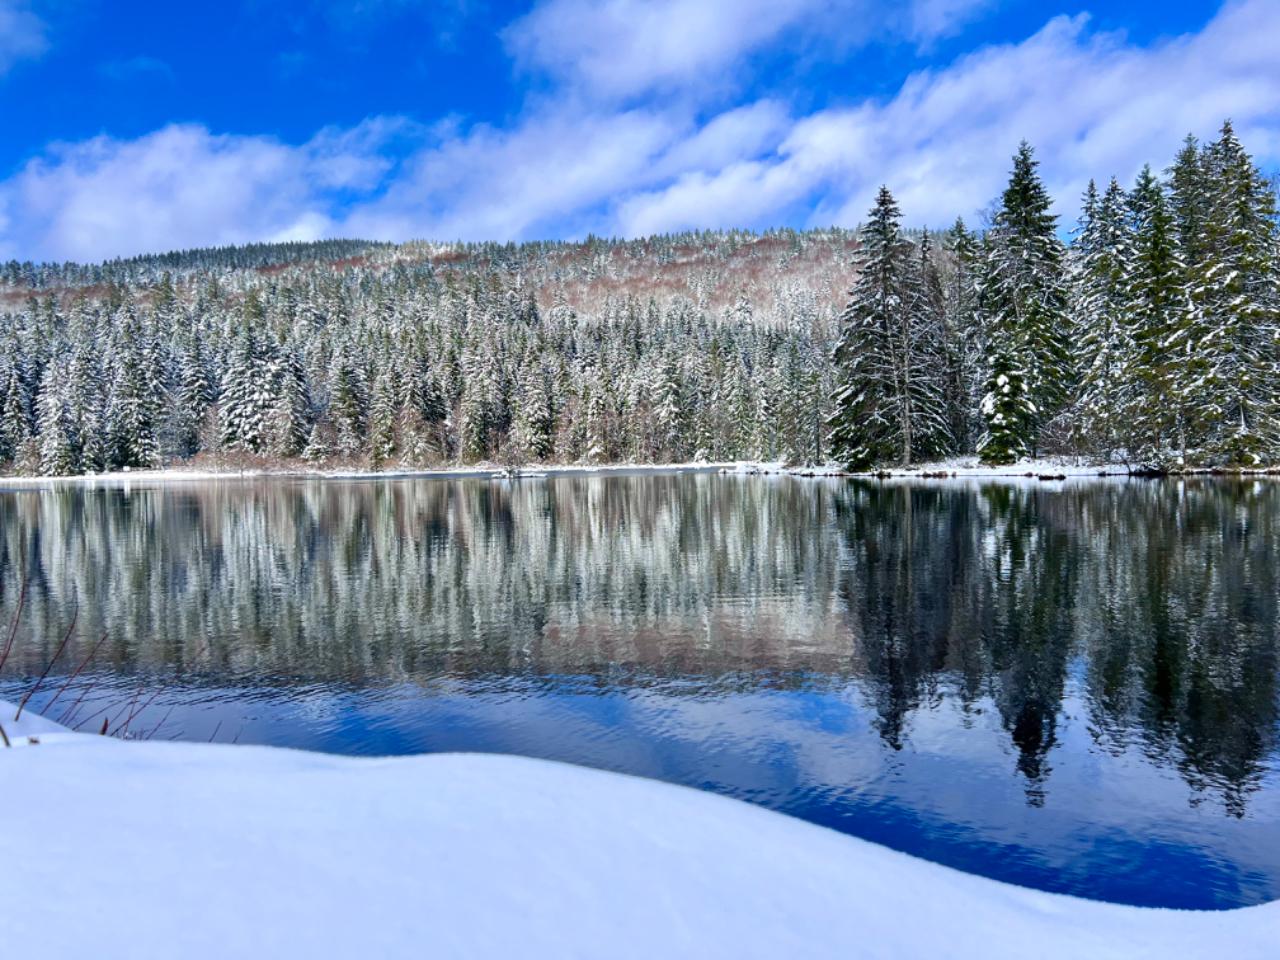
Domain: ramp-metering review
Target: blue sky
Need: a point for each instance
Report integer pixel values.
(139, 126)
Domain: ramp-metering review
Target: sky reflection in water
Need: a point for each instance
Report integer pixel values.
(1068, 686)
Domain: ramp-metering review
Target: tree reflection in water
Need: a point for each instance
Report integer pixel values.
(1149, 608)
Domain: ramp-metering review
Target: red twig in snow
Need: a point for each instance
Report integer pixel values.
(83, 663)
(124, 727)
(67, 715)
(49, 666)
(156, 728)
(13, 629)
(99, 712)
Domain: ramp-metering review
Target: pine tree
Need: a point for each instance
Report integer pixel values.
(1023, 301)
(938, 378)
(15, 427)
(1100, 308)
(889, 401)
(481, 400)
(597, 419)
(1235, 304)
(669, 413)
(535, 412)
(1008, 412)
(88, 409)
(1156, 306)
(964, 335)
(136, 398)
(736, 412)
(58, 436)
(318, 447)
(348, 407)
(289, 420)
(425, 415)
(1189, 196)
(194, 392)
(768, 401)
(247, 396)
(384, 410)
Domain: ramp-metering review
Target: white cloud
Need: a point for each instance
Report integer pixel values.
(929, 20)
(729, 137)
(22, 34)
(619, 48)
(1092, 103)
(624, 48)
(553, 169)
(180, 187)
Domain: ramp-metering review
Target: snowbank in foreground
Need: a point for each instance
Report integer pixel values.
(28, 725)
(118, 849)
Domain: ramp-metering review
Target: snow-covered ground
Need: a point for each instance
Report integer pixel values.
(961, 467)
(118, 849)
(1044, 468)
(180, 475)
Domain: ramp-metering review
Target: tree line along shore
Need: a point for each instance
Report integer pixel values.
(1147, 337)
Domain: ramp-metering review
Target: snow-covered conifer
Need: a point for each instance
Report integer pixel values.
(889, 399)
(1023, 302)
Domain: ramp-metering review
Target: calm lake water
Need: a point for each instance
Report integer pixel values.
(1068, 686)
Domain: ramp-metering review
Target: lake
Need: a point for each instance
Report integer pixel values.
(1071, 686)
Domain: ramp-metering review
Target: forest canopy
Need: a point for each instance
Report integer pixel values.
(1150, 335)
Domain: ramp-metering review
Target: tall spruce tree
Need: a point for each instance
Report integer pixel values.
(535, 411)
(247, 395)
(1023, 302)
(15, 426)
(1100, 310)
(384, 415)
(1235, 303)
(889, 401)
(1156, 306)
(59, 436)
(348, 407)
(965, 334)
(137, 396)
(289, 420)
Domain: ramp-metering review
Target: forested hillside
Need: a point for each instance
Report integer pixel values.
(1152, 337)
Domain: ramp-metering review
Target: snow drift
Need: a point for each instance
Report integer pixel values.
(130, 849)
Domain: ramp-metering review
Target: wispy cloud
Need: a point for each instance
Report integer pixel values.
(930, 20)
(1092, 102)
(583, 160)
(22, 34)
(622, 48)
(182, 187)
(626, 48)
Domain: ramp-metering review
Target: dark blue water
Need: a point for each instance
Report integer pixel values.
(1068, 686)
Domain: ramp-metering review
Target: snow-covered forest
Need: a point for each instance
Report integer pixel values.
(1152, 336)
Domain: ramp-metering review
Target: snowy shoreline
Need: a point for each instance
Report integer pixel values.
(146, 849)
(180, 475)
(966, 468)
